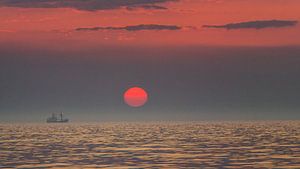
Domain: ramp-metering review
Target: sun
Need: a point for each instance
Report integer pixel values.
(135, 96)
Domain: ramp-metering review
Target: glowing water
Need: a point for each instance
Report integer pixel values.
(158, 145)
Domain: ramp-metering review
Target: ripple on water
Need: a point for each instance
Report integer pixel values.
(151, 145)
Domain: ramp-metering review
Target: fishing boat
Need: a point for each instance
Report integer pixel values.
(55, 119)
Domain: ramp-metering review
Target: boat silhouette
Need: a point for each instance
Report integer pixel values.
(55, 119)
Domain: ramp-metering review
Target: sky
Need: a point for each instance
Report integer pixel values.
(197, 59)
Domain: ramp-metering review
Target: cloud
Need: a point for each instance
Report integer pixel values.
(259, 24)
(87, 5)
(148, 7)
(133, 27)
(7, 31)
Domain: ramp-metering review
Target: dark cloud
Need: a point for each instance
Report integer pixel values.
(88, 5)
(255, 24)
(133, 28)
(148, 7)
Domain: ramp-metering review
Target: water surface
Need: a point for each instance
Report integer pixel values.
(151, 145)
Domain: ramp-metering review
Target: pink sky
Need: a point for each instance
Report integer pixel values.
(39, 26)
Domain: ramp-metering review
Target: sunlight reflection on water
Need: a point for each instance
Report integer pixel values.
(151, 145)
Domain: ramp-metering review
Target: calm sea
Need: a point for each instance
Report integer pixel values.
(271, 144)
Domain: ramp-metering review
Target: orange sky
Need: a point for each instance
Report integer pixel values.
(57, 25)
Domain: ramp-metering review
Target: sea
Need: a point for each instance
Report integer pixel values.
(220, 144)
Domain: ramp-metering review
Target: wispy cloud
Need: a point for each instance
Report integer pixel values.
(7, 31)
(88, 5)
(259, 24)
(133, 27)
(149, 7)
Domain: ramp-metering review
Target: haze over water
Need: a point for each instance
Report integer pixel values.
(150, 60)
(258, 144)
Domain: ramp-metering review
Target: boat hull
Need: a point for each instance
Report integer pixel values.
(58, 121)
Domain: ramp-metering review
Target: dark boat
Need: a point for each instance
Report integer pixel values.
(55, 119)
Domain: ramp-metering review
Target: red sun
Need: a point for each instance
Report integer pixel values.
(135, 97)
